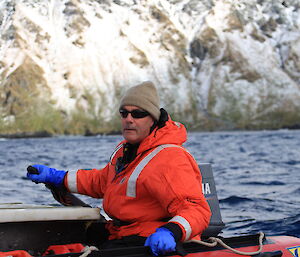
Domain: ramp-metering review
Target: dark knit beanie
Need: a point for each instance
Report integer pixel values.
(144, 96)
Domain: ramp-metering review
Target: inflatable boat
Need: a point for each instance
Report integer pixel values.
(33, 230)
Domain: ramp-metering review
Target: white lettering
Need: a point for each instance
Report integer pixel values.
(206, 188)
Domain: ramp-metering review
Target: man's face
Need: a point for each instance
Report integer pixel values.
(134, 130)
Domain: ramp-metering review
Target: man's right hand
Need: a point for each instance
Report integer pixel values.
(43, 174)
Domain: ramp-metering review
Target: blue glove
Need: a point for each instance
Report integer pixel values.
(44, 174)
(161, 242)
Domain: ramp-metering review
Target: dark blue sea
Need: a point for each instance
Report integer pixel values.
(257, 174)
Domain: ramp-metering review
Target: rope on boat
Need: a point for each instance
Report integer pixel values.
(216, 241)
(87, 250)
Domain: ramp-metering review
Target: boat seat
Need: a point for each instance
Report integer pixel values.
(209, 190)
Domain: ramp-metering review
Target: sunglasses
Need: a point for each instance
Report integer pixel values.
(136, 114)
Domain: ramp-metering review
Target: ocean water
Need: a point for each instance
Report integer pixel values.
(257, 174)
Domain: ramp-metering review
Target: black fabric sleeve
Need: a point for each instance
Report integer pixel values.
(175, 229)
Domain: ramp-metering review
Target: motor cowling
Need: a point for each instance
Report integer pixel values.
(210, 192)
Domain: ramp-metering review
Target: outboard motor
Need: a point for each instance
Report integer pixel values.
(209, 190)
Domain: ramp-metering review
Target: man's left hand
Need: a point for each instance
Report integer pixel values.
(161, 242)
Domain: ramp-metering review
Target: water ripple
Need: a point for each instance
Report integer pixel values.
(257, 173)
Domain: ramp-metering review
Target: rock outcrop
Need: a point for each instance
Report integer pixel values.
(217, 64)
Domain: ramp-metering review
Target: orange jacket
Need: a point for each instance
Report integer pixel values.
(167, 188)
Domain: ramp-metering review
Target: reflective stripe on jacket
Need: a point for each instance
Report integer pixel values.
(163, 181)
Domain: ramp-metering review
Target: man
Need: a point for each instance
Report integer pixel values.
(151, 188)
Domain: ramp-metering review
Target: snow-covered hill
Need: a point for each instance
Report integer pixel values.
(217, 64)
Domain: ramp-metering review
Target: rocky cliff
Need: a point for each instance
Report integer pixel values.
(230, 64)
